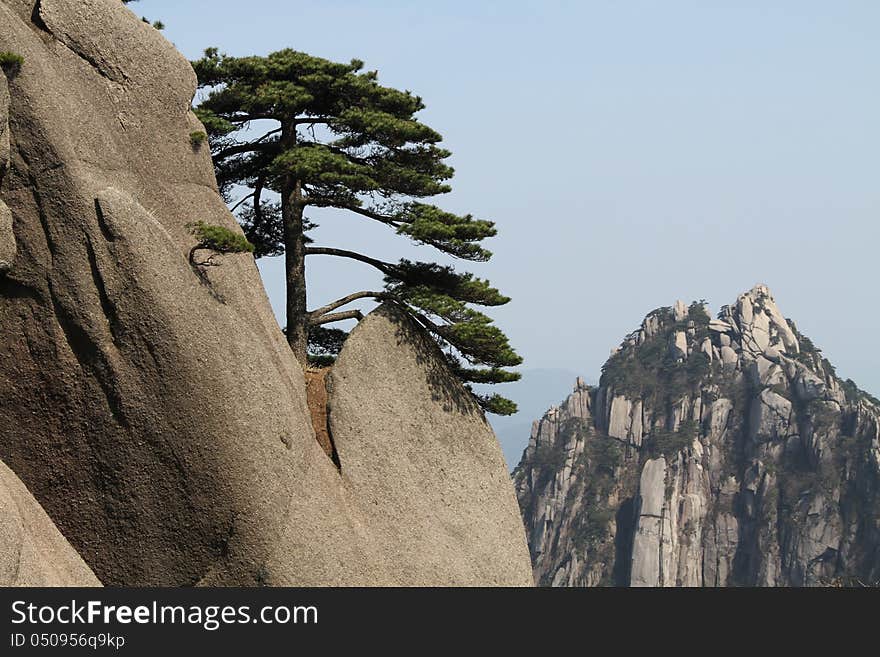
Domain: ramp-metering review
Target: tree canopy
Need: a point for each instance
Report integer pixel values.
(297, 131)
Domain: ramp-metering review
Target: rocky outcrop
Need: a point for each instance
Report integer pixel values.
(32, 550)
(734, 457)
(156, 412)
(421, 463)
(650, 549)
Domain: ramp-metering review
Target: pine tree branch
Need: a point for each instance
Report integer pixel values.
(247, 147)
(373, 215)
(268, 134)
(242, 200)
(428, 324)
(384, 267)
(363, 161)
(381, 218)
(322, 315)
(315, 142)
(243, 118)
(313, 119)
(366, 294)
(337, 317)
(250, 147)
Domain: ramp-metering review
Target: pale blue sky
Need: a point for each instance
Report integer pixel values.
(631, 152)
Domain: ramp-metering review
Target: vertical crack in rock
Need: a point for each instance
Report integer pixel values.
(319, 411)
(107, 306)
(90, 357)
(37, 20)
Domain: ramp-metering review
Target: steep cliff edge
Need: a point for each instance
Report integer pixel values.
(32, 550)
(158, 415)
(714, 452)
(440, 502)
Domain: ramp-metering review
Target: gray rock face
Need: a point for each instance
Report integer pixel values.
(156, 406)
(679, 345)
(624, 418)
(167, 432)
(728, 355)
(720, 326)
(32, 550)
(758, 324)
(758, 468)
(420, 466)
(679, 311)
(648, 540)
(771, 417)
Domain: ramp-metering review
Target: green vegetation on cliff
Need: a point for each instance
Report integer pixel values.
(11, 62)
(650, 369)
(218, 239)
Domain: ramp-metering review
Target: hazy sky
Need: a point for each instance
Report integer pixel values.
(631, 152)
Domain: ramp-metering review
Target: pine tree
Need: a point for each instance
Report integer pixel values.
(338, 139)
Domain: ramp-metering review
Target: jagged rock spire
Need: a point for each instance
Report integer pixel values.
(715, 451)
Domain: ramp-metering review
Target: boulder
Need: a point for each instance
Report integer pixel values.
(763, 325)
(32, 550)
(720, 326)
(771, 417)
(719, 412)
(679, 311)
(420, 465)
(650, 325)
(807, 385)
(729, 356)
(619, 420)
(764, 372)
(678, 347)
(624, 420)
(706, 348)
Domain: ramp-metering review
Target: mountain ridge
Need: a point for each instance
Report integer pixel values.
(714, 451)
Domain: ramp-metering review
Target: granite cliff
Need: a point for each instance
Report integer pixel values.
(714, 452)
(32, 550)
(156, 412)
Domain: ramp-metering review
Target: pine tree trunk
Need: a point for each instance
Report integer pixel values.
(292, 208)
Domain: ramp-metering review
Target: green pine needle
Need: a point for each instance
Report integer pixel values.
(220, 239)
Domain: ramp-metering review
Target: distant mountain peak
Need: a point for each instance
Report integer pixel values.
(758, 453)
